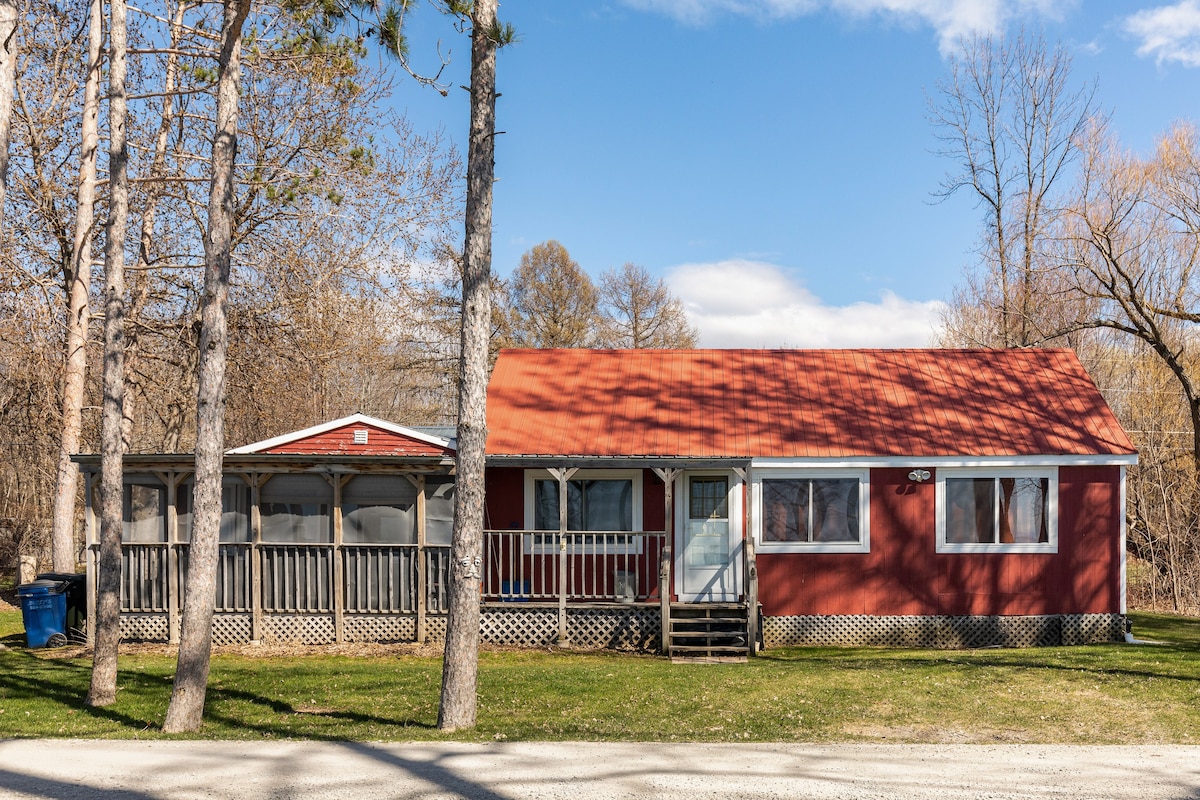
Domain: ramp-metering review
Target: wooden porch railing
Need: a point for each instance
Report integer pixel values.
(520, 566)
(293, 578)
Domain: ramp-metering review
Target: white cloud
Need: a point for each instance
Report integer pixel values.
(1169, 33)
(951, 19)
(739, 303)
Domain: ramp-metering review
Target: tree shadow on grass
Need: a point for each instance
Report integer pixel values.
(216, 697)
(1067, 660)
(64, 682)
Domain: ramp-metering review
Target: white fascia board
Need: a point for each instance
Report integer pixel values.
(947, 461)
(353, 419)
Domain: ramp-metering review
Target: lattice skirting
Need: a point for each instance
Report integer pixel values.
(379, 628)
(943, 631)
(616, 628)
(298, 629)
(144, 628)
(638, 628)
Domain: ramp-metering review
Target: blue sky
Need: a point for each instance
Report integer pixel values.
(773, 159)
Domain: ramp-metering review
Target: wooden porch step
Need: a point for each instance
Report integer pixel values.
(709, 632)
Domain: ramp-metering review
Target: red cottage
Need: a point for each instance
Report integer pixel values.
(703, 501)
(925, 497)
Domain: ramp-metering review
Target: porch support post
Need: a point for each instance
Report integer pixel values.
(89, 537)
(667, 475)
(173, 480)
(339, 595)
(751, 564)
(256, 613)
(421, 568)
(562, 476)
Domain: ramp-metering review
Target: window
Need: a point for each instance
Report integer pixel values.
(235, 510)
(604, 501)
(1004, 510)
(295, 510)
(798, 511)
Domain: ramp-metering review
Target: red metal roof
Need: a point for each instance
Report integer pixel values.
(798, 404)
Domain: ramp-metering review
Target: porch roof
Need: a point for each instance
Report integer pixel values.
(818, 404)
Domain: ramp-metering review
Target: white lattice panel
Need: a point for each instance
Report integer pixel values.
(522, 627)
(941, 631)
(143, 628)
(1092, 628)
(232, 628)
(298, 629)
(435, 629)
(614, 629)
(379, 628)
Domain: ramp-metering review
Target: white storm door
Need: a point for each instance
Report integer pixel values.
(708, 539)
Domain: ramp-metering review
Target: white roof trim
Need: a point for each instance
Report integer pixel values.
(1107, 460)
(353, 419)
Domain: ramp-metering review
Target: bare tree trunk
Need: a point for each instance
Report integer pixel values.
(78, 284)
(8, 85)
(139, 290)
(186, 710)
(103, 689)
(460, 664)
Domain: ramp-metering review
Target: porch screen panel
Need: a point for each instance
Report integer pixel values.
(379, 509)
(235, 510)
(439, 510)
(143, 511)
(295, 510)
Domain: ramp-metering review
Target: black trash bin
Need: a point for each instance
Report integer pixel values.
(44, 612)
(76, 591)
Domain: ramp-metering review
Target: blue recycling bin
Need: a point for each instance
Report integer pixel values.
(44, 612)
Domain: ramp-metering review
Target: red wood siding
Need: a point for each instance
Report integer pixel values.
(904, 575)
(380, 442)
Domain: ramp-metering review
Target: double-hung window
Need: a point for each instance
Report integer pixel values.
(600, 503)
(1013, 510)
(811, 511)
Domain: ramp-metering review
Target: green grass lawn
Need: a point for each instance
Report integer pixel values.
(1100, 694)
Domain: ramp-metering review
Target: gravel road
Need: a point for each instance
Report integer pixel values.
(125, 770)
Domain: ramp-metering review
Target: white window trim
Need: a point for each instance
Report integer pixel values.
(1050, 473)
(864, 510)
(534, 475)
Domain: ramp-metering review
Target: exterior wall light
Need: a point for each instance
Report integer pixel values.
(919, 475)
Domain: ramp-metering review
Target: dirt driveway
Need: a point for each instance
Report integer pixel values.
(126, 770)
